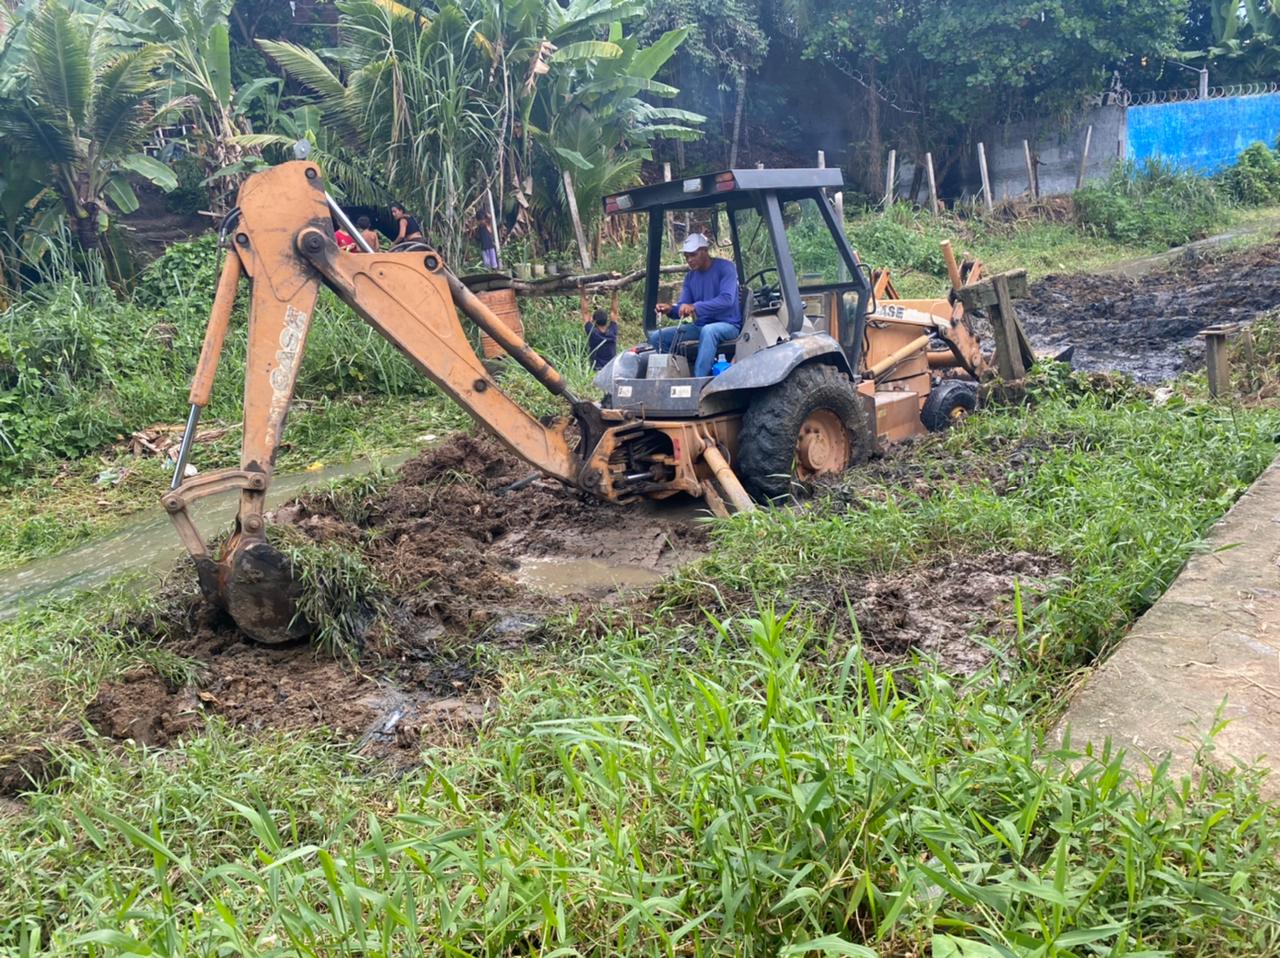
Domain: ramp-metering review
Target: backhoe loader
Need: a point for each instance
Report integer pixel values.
(827, 363)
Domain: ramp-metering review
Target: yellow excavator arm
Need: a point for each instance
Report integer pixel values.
(282, 241)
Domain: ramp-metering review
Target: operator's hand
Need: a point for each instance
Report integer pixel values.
(687, 310)
(663, 309)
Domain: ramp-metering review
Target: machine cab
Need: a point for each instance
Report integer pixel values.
(802, 292)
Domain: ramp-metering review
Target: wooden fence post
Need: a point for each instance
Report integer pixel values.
(933, 186)
(671, 221)
(890, 178)
(1032, 188)
(837, 199)
(1084, 156)
(493, 228)
(986, 179)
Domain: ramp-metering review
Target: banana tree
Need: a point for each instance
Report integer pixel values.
(480, 93)
(83, 110)
(1246, 40)
(195, 32)
(573, 84)
(601, 130)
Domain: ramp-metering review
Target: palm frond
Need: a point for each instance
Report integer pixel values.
(121, 116)
(30, 125)
(59, 61)
(304, 66)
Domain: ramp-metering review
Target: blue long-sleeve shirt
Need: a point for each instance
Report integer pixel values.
(713, 293)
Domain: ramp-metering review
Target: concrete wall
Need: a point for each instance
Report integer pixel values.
(1057, 148)
(1205, 135)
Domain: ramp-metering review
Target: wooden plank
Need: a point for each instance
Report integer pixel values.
(986, 179)
(933, 186)
(983, 294)
(1003, 323)
(890, 178)
(953, 268)
(1032, 189)
(583, 251)
(1084, 156)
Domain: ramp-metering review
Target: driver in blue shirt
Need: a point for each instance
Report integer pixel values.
(709, 300)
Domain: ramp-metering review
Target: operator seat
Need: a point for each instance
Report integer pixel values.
(688, 348)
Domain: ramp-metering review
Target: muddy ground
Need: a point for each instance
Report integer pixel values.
(450, 545)
(1146, 326)
(471, 569)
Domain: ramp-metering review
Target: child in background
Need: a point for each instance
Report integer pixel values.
(602, 339)
(367, 231)
(344, 240)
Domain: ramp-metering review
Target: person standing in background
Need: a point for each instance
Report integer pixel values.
(484, 236)
(602, 339)
(408, 227)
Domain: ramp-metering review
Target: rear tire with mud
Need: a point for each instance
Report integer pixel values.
(947, 403)
(809, 425)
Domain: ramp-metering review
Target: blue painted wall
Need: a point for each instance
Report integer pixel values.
(1204, 135)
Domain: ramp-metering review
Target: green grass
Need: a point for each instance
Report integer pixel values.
(657, 783)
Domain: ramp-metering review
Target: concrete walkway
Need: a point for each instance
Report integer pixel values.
(1214, 636)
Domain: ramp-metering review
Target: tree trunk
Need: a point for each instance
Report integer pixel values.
(86, 223)
(874, 146)
(737, 118)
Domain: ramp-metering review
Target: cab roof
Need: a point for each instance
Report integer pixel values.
(709, 189)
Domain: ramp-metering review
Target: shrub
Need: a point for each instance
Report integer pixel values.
(191, 195)
(901, 239)
(184, 270)
(1254, 178)
(1155, 205)
(80, 368)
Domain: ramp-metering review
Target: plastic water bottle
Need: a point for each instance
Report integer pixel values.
(720, 365)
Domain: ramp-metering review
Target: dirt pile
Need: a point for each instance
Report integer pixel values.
(1146, 326)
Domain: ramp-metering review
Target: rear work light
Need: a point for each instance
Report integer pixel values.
(725, 182)
(693, 185)
(618, 204)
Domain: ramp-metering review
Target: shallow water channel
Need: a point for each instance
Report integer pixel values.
(148, 543)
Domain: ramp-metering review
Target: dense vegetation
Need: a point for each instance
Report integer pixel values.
(441, 104)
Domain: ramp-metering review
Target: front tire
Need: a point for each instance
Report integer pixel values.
(809, 425)
(948, 403)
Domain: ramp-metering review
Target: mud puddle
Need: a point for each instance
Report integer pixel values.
(151, 544)
(585, 577)
(1146, 326)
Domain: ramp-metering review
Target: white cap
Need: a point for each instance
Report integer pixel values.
(694, 242)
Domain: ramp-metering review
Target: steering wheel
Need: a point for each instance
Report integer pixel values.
(768, 292)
